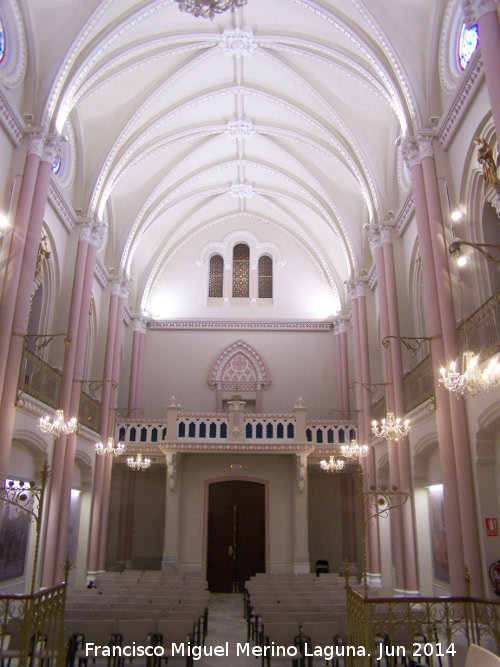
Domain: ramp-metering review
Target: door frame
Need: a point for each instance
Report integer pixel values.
(232, 478)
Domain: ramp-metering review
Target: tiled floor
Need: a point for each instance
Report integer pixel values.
(226, 628)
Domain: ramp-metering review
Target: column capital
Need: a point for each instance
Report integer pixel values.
(386, 232)
(84, 227)
(340, 323)
(425, 146)
(36, 142)
(51, 149)
(140, 324)
(374, 237)
(475, 9)
(97, 233)
(411, 153)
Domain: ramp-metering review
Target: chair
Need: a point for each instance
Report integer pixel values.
(322, 567)
(477, 656)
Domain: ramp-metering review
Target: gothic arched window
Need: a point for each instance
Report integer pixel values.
(216, 277)
(265, 277)
(467, 43)
(241, 270)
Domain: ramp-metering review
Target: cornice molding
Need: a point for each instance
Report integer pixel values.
(232, 447)
(10, 121)
(67, 214)
(228, 325)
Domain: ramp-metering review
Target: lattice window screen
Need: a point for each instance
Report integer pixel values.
(241, 270)
(265, 277)
(216, 278)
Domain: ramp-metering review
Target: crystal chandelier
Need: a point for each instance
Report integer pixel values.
(332, 465)
(138, 463)
(58, 426)
(109, 449)
(209, 8)
(392, 428)
(472, 379)
(354, 451)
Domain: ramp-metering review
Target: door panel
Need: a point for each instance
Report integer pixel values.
(236, 534)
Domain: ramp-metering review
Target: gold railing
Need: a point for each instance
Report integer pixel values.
(41, 381)
(483, 329)
(32, 627)
(419, 384)
(429, 630)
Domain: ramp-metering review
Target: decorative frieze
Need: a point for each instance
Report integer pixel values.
(218, 325)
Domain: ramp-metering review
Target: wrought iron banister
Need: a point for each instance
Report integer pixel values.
(427, 629)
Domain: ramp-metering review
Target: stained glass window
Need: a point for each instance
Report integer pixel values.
(216, 277)
(57, 164)
(467, 44)
(241, 270)
(265, 277)
(2, 41)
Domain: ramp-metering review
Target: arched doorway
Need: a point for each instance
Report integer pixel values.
(236, 547)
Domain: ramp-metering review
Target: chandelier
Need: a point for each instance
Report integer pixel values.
(109, 449)
(392, 428)
(208, 8)
(138, 463)
(332, 465)
(57, 426)
(472, 379)
(354, 451)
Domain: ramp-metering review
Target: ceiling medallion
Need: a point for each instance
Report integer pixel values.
(239, 129)
(207, 9)
(238, 42)
(241, 190)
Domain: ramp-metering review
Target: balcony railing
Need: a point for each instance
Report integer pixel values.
(41, 381)
(433, 631)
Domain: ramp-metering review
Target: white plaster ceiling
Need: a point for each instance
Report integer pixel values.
(328, 88)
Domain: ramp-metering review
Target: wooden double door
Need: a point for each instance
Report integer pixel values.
(236, 548)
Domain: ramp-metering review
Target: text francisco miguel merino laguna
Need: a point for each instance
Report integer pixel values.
(221, 650)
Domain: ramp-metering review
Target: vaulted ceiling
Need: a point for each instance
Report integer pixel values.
(283, 115)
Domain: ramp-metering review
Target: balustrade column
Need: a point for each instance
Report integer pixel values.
(16, 248)
(23, 301)
(95, 237)
(50, 564)
(454, 537)
(115, 376)
(485, 14)
(396, 518)
(468, 509)
(93, 561)
(403, 445)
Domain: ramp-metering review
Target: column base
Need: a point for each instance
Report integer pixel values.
(125, 564)
(374, 580)
(400, 592)
(302, 567)
(170, 564)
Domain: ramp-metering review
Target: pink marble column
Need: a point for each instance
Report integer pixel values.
(136, 366)
(93, 560)
(467, 497)
(16, 249)
(22, 306)
(106, 484)
(454, 538)
(347, 499)
(342, 367)
(403, 446)
(485, 14)
(95, 236)
(125, 530)
(396, 517)
(373, 560)
(50, 565)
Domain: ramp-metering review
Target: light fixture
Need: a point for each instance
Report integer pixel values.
(354, 451)
(332, 465)
(209, 8)
(109, 449)
(472, 379)
(138, 463)
(57, 426)
(392, 427)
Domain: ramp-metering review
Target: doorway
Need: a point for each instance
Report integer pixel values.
(236, 547)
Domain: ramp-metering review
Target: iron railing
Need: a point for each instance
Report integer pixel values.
(41, 381)
(428, 630)
(32, 627)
